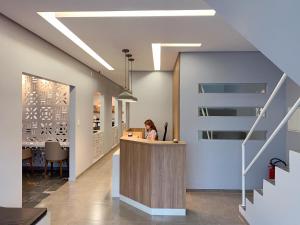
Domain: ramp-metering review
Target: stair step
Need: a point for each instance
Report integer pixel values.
(260, 191)
(250, 197)
(272, 181)
(257, 195)
(242, 210)
(279, 197)
(282, 176)
(285, 168)
(294, 161)
(269, 189)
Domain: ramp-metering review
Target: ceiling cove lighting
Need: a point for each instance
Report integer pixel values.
(180, 45)
(156, 50)
(51, 18)
(138, 13)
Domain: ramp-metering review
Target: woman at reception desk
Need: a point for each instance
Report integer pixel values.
(152, 175)
(151, 131)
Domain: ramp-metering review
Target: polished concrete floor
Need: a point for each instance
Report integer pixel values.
(87, 201)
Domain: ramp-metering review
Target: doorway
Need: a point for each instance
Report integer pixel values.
(98, 126)
(45, 137)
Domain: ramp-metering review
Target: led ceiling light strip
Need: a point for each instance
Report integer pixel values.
(181, 45)
(50, 18)
(138, 13)
(156, 50)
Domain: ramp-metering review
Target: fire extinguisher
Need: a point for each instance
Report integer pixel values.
(274, 162)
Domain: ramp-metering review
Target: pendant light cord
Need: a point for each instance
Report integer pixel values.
(125, 51)
(131, 76)
(125, 69)
(128, 72)
(131, 69)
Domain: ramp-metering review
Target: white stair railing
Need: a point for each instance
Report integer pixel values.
(281, 124)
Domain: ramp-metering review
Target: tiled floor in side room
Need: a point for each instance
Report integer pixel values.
(36, 186)
(87, 201)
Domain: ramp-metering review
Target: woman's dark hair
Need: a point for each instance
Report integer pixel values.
(150, 124)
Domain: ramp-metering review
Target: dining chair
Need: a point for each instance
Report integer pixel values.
(54, 153)
(27, 155)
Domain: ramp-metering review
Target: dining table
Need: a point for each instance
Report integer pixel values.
(41, 144)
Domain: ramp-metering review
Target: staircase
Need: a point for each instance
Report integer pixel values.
(278, 203)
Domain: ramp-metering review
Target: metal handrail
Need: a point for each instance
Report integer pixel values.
(280, 125)
(244, 169)
(275, 91)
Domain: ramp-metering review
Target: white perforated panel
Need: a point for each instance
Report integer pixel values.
(45, 110)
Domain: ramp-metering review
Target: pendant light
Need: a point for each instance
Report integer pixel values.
(126, 95)
(131, 60)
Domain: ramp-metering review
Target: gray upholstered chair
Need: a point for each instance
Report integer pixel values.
(27, 155)
(54, 153)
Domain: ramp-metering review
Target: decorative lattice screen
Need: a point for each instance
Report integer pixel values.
(45, 110)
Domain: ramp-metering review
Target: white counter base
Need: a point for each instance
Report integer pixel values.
(116, 175)
(153, 211)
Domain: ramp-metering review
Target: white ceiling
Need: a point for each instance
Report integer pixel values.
(108, 36)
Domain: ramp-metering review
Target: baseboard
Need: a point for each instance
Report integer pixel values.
(218, 190)
(105, 154)
(153, 211)
(242, 215)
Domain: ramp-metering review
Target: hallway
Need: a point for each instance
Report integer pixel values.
(88, 201)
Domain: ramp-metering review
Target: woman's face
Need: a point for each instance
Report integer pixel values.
(147, 127)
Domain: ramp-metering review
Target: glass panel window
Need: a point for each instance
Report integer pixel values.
(231, 135)
(255, 88)
(229, 111)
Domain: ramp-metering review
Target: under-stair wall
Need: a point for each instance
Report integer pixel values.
(216, 163)
(272, 26)
(293, 129)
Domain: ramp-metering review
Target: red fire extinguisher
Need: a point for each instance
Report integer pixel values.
(274, 162)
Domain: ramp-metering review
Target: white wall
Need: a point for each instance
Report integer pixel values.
(217, 164)
(272, 26)
(21, 51)
(293, 135)
(154, 93)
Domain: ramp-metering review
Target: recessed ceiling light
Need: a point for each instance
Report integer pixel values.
(156, 55)
(138, 13)
(50, 18)
(156, 50)
(181, 45)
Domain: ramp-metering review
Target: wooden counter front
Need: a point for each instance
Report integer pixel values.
(153, 172)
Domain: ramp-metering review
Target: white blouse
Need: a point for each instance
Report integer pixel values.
(151, 135)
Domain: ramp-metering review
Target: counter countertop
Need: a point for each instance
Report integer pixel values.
(145, 141)
(22, 216)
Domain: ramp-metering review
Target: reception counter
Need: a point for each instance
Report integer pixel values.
(152, 175)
